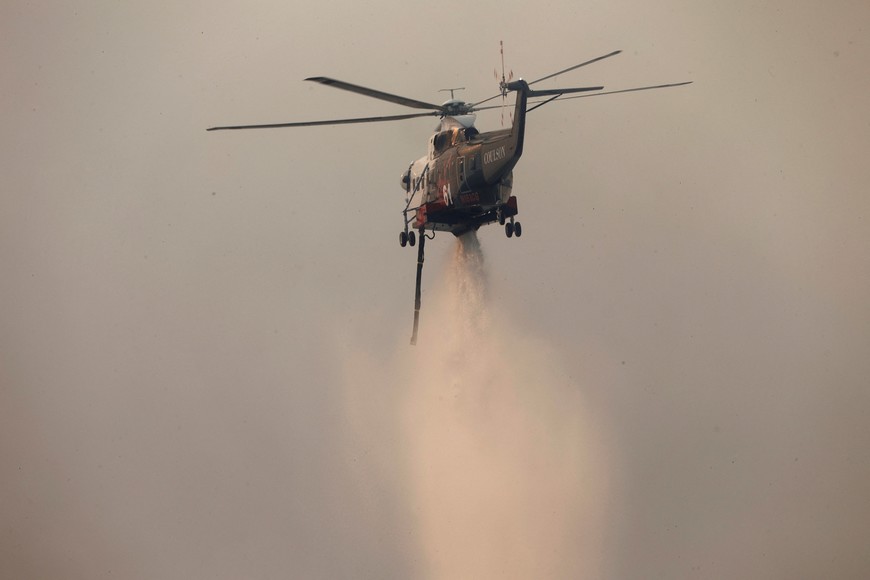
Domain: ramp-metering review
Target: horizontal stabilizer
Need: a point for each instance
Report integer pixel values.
(551, 92)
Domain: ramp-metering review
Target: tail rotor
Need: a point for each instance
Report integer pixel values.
(502, 85)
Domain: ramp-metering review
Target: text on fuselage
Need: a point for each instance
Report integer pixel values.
(493, 155)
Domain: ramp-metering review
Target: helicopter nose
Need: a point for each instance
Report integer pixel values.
(406, 180)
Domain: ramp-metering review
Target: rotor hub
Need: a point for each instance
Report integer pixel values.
(455, 107)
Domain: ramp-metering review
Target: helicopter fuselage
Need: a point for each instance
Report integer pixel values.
(466, 178)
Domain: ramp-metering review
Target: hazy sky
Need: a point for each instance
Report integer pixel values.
(204, 368)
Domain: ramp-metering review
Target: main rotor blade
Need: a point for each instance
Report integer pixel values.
(474, 105)
(616, 92)
(330, 122)
(476, 109)
(375, 94)
(570, 68)
(548, 92)
(576, 66)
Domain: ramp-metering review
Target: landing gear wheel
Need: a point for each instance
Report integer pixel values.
(412, 238)
(501, 218)
(518, 229)
(509, 229)
(403, 239)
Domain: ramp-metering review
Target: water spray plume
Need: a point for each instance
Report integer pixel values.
(483, 439)
(505, 476)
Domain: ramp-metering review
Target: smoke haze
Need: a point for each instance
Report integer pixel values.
(204, 368)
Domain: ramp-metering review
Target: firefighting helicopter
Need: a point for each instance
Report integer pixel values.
(466, 177)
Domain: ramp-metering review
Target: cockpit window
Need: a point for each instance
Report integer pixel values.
(443, 140)
(446, 139)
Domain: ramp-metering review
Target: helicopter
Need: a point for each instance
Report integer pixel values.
(465, 179)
